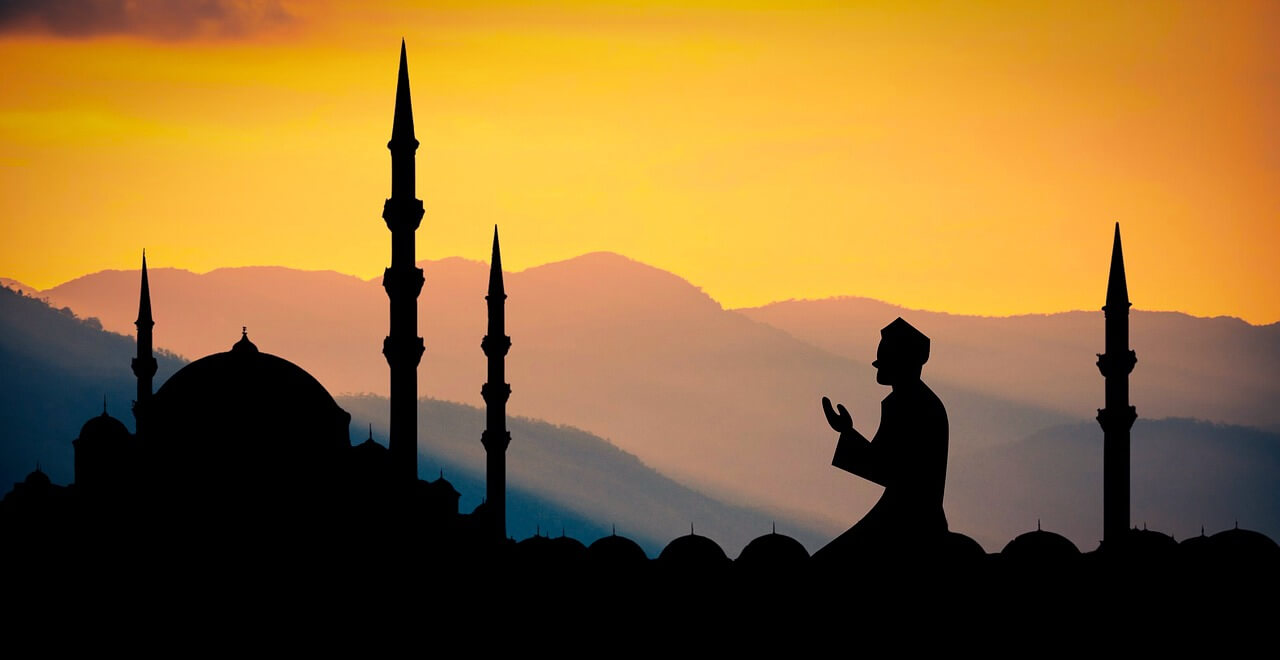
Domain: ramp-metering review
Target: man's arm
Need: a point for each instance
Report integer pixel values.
(856, 455)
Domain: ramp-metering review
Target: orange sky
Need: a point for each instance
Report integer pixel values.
(944, 157)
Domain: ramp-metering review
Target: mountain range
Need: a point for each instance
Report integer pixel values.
(560, 479)
(726, 401)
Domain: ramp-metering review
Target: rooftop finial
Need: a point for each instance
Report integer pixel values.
(104, 405)
(495, 268)
(402, 124)
(1037, 524)
(371, 432)
(1117, 286)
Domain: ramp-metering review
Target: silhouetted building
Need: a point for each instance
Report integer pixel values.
(496, 391)
(403, 282)
(1118, 416)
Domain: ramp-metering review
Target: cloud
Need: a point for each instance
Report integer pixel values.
(156, 19)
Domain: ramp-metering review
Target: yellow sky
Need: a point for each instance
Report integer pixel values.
(945, 156)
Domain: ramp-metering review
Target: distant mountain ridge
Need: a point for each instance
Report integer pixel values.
(726, 401)
(1218, 369)
(58, 367)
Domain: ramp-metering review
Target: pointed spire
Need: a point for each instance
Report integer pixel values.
(144, 296)
(1117, 287)
(495, 268)
(371, 433)
(104, 405)
(402, 124)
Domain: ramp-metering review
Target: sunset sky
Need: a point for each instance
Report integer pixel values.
(962, 157)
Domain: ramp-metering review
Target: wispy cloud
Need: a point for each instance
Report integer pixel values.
(154, 19)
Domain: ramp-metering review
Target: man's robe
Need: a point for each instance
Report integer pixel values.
(908, 456)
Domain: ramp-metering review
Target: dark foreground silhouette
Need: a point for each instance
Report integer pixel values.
(908, 456)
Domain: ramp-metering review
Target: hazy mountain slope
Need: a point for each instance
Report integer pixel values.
(577, 474)
(1221, 369)
(56, 370)
(1185, 474)
(56, 367)
(626, 351)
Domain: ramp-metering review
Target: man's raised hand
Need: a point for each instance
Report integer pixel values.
(842, 421)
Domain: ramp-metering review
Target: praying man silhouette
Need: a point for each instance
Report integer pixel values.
(908, 455)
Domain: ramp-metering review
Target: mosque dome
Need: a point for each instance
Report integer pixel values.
(616, 550)
(960, 547)
(103, 427)
(37, 479)
(1244, 545)
(773, 549)
(693, 550)
(1040, 545)
(544, 550)
(231, 414)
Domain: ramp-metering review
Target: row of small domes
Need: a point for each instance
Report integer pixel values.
(779, 549)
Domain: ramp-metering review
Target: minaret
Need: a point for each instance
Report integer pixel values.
(144, 366)
(496, 392)
(403, 282)
(1118, 417)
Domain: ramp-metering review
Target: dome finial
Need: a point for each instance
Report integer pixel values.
(613, 529)
(104, 405)
(244, 345)
(1037, 524)
(370, 431)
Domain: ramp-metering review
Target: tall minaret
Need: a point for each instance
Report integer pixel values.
(403, 282)
(1118, 417)
(144, 366)
(496, 392)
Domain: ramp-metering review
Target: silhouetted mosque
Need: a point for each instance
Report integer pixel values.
(242, 453)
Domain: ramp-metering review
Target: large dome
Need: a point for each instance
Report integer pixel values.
(244, 413)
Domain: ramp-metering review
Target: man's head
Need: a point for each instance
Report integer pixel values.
(902, 353)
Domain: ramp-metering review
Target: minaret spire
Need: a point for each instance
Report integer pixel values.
(1118, 416)
(144, 365)
(403, 282)
(496, 391)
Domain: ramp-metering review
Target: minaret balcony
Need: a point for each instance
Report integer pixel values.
(403, 350)
(1113, 419)
(402, 214)
(495, 346)
(403, 282)
(1117, 365)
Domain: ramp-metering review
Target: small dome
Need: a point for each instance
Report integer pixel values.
(617, 551)
(37, 479)
(1244, 544)
(693, 550)
(1143, 543)
(103, 426)
(773, 549)
(543, 550)
(958, 546)
(442, 487)
(1040, 546)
